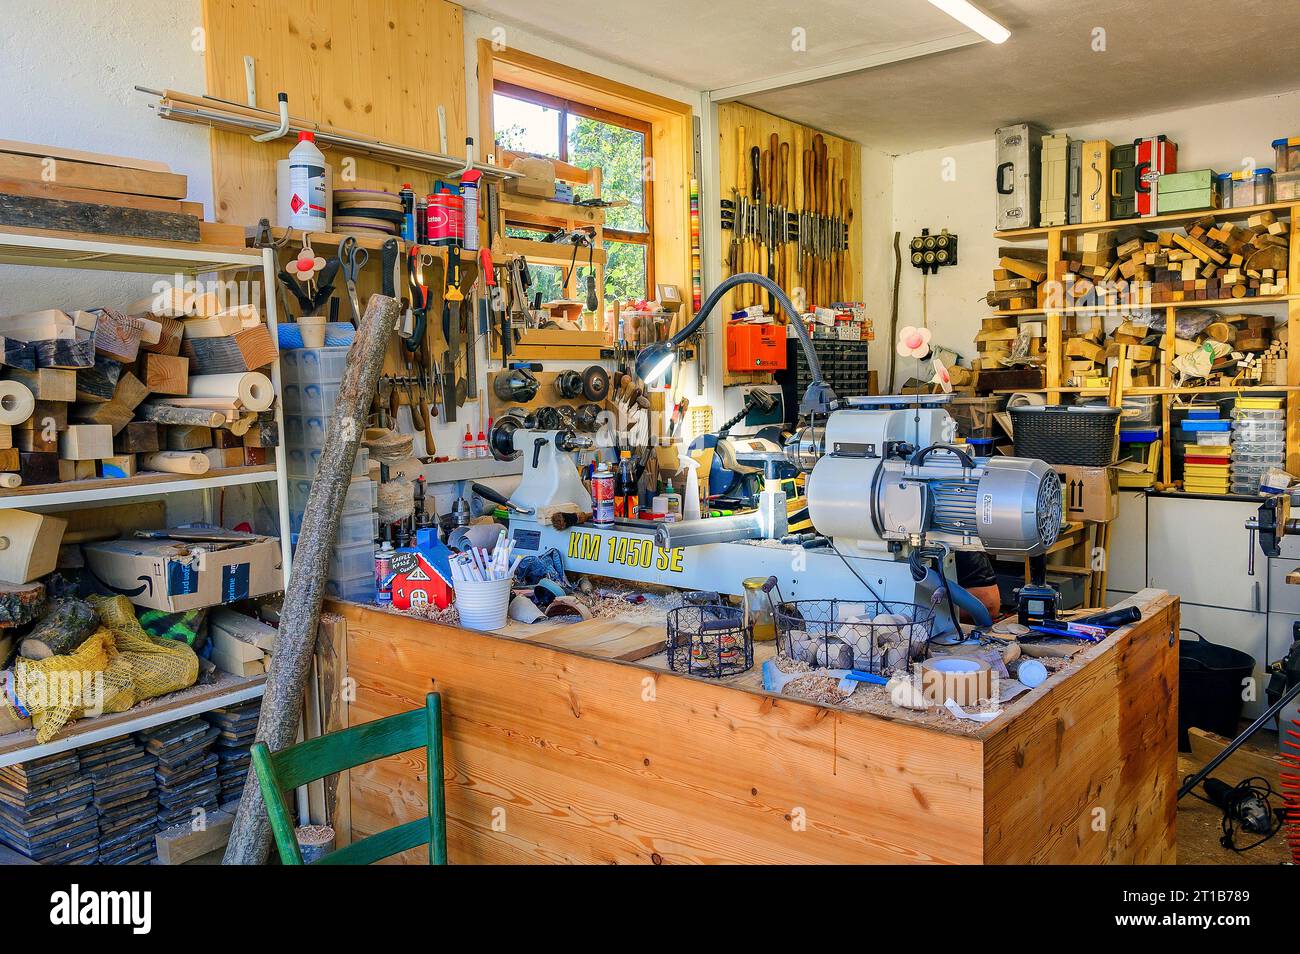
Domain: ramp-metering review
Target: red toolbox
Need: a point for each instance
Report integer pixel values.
(755, 347)
(1156, 157)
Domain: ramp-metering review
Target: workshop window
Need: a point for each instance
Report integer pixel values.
(586, 136)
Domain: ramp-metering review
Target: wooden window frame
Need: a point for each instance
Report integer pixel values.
(566, 107)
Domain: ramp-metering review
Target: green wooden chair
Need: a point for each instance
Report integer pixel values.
(284, 771)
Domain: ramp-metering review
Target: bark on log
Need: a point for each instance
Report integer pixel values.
(160, 412)
(66, 627)
(250, 838)
(21, 603)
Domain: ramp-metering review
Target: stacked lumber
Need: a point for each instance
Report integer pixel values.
(46, 811)
(1211, 261)
(72, 190)
(122, 774)
(1003, 341)
(237, 727)
(1017, 280)
(107, 393)
(187, 769)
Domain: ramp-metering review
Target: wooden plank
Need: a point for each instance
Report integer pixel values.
(38, 212)
(51, 190)
(182, 844)
(83, 175)
(607, 638)
(80, 155)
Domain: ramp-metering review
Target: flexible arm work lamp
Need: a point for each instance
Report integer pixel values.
(654, 361)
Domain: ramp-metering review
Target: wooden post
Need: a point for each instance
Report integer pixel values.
(250, 839)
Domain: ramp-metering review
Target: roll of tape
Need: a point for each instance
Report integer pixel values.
(16, 402)
(964, 679)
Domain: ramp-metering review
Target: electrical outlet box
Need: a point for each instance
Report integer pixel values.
(930, 252)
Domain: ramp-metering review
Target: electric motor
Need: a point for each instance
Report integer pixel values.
(871, 483)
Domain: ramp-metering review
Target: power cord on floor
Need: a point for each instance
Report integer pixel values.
(1246, 804)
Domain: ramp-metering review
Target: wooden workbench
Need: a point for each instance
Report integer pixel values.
(558, 755)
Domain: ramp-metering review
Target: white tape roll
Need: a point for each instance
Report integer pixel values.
(16, 402)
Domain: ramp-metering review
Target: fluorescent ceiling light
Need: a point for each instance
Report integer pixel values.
(976, 19)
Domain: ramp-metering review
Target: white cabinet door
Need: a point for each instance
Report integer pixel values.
(1128, 543)
(1245, 631)
(1284, 597)
(1199, 549)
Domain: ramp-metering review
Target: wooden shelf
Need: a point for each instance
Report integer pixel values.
(551, 210)
(1142, 392)
(1176, 218)
(1147, 306)
(549, 253)
(227, 690)
(141, 485)
(52, 249)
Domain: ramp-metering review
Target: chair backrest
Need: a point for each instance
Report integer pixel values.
(283, 771)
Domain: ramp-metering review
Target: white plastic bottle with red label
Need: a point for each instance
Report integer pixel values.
(307, 183)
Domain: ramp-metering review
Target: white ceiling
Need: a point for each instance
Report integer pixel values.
(1159, 55)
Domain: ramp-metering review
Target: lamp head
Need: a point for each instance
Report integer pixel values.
(654, 361)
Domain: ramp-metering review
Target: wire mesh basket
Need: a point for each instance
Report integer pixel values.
(709, 641)
(877, 636)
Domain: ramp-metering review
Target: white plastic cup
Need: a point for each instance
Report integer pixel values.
(483, 605)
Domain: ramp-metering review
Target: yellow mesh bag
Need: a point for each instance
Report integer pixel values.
(157, 666)
(90, 680)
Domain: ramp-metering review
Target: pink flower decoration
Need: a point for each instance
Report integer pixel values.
(913, 342)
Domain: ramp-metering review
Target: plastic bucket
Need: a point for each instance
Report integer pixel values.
(483, 605)
(1210, 683)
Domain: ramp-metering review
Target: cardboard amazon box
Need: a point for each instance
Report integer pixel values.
(173, 575)
(1089, 493)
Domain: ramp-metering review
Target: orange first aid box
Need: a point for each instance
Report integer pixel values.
(755, 347)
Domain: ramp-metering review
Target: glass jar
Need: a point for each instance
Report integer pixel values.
(758, 609)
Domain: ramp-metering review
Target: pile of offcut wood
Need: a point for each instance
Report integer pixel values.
(155, 386)
(1212, 261)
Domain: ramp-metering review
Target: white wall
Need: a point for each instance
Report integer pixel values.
(68, 72)
(1220, 136)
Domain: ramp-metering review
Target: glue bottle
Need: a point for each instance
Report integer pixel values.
(672, 503)
(307, 183)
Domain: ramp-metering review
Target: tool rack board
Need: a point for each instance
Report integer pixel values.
(845, 155)
(379, 69)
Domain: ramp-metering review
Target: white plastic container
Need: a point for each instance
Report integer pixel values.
(307, 204)
(484, 605)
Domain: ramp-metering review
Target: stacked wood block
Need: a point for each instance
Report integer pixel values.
(47, 813)
(1211, 261)
(107, 393)
(1003, 341)
(237, 726)
(187, 769)
(1017, 280)
(123, 776)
